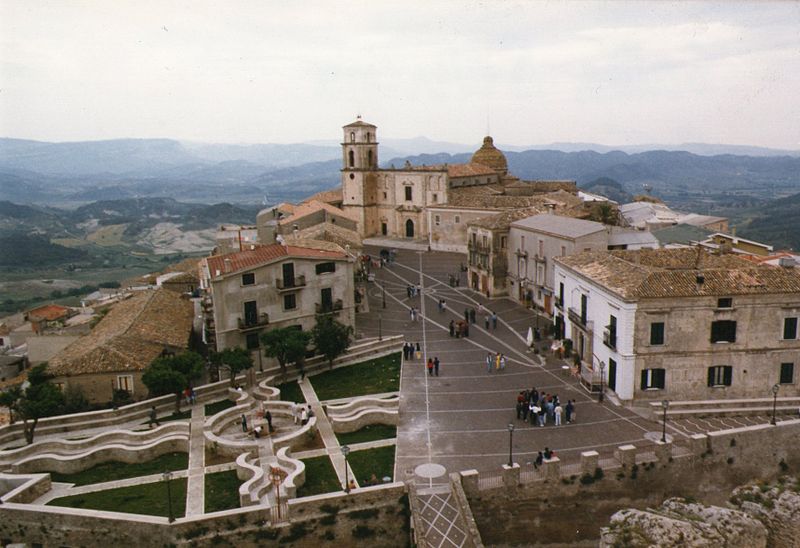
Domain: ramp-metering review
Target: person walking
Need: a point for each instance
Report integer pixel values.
(244, 423)
(430, 367)
(539, 460)
(570, 411)
(268, 417)
(436, 365)
(497, 362)
(471, 315)
(486, 322)
(502, 362)
(452, 327)
(558, 411)
(489, 362)
(153, 417)
(494, 320)
(466, 315)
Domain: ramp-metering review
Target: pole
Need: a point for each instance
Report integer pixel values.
(383, 288)
(169, 497)
(775, 389)
(380, 328)
(346, 477)
(602, 371)
(510, 445)
(664, 427)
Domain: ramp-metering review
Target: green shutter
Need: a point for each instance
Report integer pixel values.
(727, 375)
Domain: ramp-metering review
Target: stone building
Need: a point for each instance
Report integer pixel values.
(119, 348)
(681, 324)
(429, 204)
(271, 286)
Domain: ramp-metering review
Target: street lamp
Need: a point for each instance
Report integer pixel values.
(510, 442)
(345, 452)
(775, 388)
(380, 328)
(167, 475)
(602, 370)
(275, 478)
(383, 291)
(665, 405)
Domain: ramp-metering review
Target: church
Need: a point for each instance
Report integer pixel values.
(430, 204)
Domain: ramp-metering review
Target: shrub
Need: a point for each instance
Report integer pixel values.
(733, 442)
(296, 532)
(329, 509)
(783, 466)
(330, 519)
(598, 474)
(730, 460)
(328, 535)
(587, 479)
(363, 531)
(369, 513)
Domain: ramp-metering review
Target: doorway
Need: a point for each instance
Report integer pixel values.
(612, 375)
(409, 228)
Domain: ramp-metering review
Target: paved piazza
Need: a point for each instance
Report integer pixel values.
(459, 419)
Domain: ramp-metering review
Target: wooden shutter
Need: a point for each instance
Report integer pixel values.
(710, 376)
(644, 379)
(658, 378)
(727, 375)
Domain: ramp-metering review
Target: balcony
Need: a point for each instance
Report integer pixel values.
(577, 319)
(559, 303)
(249, 324)
(329, 308)
(288, 284)
(610, 338)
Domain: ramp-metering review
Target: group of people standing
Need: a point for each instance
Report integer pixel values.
(409, 349)
(433, 366)
(540, 406)
(412, 291)
(496, 361)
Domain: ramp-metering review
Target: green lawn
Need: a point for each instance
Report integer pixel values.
(290, 391)
(182, 416)
(371, 432)
(370, 377)
(320, 477)
(222, 491)
(378, 461)
(221, 405)
(112, 471)
(150, 499)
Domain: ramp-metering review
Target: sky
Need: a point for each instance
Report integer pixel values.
(612, 72)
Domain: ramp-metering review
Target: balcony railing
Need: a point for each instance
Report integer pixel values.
(329, 308)
(610, 338)
(285, 284)
(576, 318)
(246, 324)
(559, 303)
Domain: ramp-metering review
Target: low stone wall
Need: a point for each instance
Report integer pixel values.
(365, 417)
(363, 402)
(23, 489)
(69, 464)
(297, 476)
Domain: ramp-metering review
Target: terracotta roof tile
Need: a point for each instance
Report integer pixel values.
(131, 336)
(48, 312)
(327, 196)
(261, 255)
(312, 206)
(469, 170)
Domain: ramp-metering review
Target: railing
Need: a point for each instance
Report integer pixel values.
(530, 474)
(490, 481)
(246, 323)
(576, 318)
(610, 338)
(329, 308)
(290, 283)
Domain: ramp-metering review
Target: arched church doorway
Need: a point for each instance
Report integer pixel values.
(409, 228)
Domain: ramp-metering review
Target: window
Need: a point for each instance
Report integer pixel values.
(787, 373)
(790, 328)
(250, 313)
(323, 268)
(326, 298)
(484, 241)
(290, 301)
(563, 251)
(723, 331)
(249, 278)
(653, 379)
(288, 274)
(351, 158)
(610, 337)
(384, 196)
(720, 375)
(125, 382)
(352, 137)
(584, 302)
(656, 333)
(251, 341)
(457, 219)
(436, 220)
(408, 190)
(435, 198)
(369, 157)
(725, 302)
(502, 242)
(541, 248)
(561, 294)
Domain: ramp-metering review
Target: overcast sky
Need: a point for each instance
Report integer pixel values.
(616, 73)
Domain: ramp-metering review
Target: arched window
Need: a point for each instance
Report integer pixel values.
(352, 137)
(368, 136)
(409, 228)
(369, 156)
(351, 158)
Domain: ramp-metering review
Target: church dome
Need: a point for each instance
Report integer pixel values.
(490, 156)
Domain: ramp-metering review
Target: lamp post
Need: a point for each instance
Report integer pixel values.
(380, 328)
(275, 478)
(665, 405)
(345, 452)
(167, 475)
(510, 444)
(602, 375)
(775, 388)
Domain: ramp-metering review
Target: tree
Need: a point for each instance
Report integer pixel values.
(331, 338)
(173, 374)
(235, 359)
(10, 398)
(40, 399)
(287, 345)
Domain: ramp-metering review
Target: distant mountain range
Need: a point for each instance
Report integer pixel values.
(71, 174)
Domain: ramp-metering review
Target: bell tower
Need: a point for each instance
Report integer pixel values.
(359, 164)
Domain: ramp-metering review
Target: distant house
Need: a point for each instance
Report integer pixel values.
(49, 315)
(5, 337)
(118, 350)
(11, 367)
(179, 282)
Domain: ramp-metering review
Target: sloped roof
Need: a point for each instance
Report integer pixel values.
(559, 225)
(669, 273)
(48, 312)
(312, 206)
(469, 170)
(130, 337)
(503, 220)
(680, 234)
(265, 254)
(327, 196)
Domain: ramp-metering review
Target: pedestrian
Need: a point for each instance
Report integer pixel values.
(244, 423)
(466, 329)
(480, 308)
(452, 327)
(466, 315)
(444, 305)
(192, 396)
(411, 313)
(558, 411)
(520, 406)
(548, 454)
(303, 416)
(405, 351)
(489, 362)
(417, 290)
(430, 367)
(153, 417)
(408, 291)
(472, 315)
(268, 417)
(486, 322)
(542, 415)
(570, 411)
(497, 361)
(494, 320)
(295, 413)
(525, 410)
(502, 362)
(419, 352)
(436, 365)
(459, 329)
(539, 460)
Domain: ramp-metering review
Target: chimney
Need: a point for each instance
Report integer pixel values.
(700, 279)
(227, 265)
